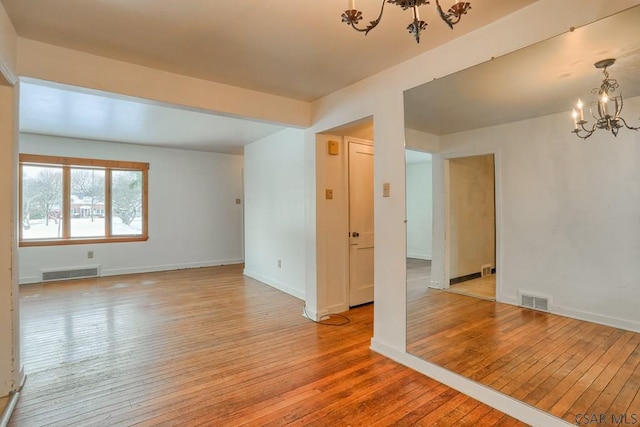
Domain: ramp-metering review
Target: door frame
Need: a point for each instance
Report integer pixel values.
(497, 182)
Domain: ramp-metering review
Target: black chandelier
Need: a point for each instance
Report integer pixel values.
(608, 108)
(451, 17)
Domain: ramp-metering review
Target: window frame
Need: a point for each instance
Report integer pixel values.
(66, 164)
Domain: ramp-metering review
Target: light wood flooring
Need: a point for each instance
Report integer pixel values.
(211, 347)
(563, 366)
(419, 277)
(3, 403)
(482, 287)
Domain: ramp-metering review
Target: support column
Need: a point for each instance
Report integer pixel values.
(10, 368)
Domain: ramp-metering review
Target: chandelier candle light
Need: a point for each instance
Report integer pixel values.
(352, 16)
(605, 119)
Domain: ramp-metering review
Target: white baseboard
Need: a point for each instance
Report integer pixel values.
(337, 308)
(148, 269)
(628, 325)
(434, 284)
(312, 314)
(508, 300)
(482, 393)
(276, 284)
(425, 257)
(614, 322)
(317, 315)
(25, 280)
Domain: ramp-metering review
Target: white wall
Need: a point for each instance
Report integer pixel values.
(570, 214)
(419, 210)
(275, 212)
(193, 218)
(381, 96)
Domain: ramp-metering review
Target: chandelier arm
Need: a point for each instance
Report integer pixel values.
(627, 126)
(577, 132)
(588, 132)
(372, 24)
(451, 17)
(443, 15)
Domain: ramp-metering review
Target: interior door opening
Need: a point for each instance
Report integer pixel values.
(361, 222)
(472, 226)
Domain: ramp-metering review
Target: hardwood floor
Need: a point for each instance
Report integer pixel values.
(419, 277)
(4, 401)
(563, 366)
(211, 347)
(482, 287)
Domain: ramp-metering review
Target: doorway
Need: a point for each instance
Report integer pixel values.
(419, 219)
(361, 224)
(334, 227)
(471, 225)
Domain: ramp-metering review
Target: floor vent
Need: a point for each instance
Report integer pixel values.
(71, 273)
(486, 270)
(535, 302)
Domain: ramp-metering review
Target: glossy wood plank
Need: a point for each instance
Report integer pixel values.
(4, 400)
(482, 287)
(212, 347)
(563, 366)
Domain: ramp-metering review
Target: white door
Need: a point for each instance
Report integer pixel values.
(360, 223)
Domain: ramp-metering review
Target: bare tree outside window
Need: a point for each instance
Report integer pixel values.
(126, 202)
(87, 202)
(65, 200)
(42, 202)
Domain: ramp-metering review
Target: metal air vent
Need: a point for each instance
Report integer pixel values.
(71, 273)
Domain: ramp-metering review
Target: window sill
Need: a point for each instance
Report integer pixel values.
(82, 241)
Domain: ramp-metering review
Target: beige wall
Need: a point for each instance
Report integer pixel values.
(9, 316)
(8, 48)
(332, 226)
(471, 214)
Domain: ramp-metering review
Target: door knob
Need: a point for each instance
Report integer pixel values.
(355, 234)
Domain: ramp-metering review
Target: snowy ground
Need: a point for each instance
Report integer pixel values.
(80, 227)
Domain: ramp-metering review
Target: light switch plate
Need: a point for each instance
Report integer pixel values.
(386, 189)
(333, 148)
(328, 194)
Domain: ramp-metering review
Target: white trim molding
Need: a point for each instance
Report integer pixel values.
(510, 406)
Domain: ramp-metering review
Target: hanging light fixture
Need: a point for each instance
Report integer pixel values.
(608, 108)
(352, 16)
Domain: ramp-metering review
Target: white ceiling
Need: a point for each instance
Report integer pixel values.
(542, 79)
(298, 49)
(70, 112)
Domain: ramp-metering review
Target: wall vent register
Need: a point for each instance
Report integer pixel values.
(70, 273)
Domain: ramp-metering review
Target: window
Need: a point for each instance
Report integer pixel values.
(69, 201)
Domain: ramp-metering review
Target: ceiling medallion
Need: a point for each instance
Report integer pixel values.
(352, 16)
(608, 108)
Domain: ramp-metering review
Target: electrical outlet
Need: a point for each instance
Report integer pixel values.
(90, 254)
(279, 263)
